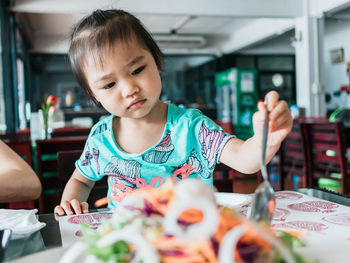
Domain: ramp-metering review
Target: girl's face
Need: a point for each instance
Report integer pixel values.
(127, 84)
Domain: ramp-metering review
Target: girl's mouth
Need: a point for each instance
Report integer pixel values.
(136, 104)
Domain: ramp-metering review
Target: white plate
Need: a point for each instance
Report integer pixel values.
(232, 200)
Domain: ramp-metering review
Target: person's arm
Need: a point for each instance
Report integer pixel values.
(245, 156)
(18, 182)
(75, 194)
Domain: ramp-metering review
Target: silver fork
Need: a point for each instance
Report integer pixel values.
(263, 203)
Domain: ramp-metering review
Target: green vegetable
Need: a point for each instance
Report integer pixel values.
(118, 252)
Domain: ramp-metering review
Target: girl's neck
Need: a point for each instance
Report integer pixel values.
(138, 135)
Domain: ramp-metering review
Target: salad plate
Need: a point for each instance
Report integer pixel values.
(183, 222)
(232, 200)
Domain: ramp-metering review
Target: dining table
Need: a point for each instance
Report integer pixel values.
(323, 218)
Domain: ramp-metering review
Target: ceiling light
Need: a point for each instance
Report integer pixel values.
(180, 41)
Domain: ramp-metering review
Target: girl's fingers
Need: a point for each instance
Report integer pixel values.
(281, 109)
(271, 99)
(59, 210)
(76, 206)
(281, 123)
(84, 207)
(261, 105)
(67, 207)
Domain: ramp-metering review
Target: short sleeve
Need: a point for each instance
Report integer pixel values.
(210, 136)
(88, 164)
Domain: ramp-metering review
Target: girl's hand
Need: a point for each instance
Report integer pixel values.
(280, 119)
(72, 207)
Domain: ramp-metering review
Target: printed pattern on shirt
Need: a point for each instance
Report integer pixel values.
(101, 128)
(127, 170)
(210, 141)
(118, 190)
(87, 156)
(192, 166)
(160, 154)
(96, 154)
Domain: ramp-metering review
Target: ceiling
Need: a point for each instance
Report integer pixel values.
(201, 26)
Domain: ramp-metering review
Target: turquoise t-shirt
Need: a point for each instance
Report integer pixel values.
(189, 148)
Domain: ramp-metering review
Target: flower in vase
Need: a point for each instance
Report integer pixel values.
(48, 109)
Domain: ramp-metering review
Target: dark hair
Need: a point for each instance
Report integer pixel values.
(100, 30)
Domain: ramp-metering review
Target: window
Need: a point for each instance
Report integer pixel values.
(2, 103)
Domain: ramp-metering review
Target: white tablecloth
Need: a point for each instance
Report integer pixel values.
(326, 225)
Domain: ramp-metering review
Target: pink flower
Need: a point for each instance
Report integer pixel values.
(51, 100)
(52, 109)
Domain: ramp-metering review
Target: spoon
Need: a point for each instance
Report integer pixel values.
(263, 203)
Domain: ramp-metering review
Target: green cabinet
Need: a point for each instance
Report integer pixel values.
(237, 98)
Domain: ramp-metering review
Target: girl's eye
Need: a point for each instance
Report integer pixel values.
(109, 85)
(138, 70)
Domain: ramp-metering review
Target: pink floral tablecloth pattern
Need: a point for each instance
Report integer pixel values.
(326, 225)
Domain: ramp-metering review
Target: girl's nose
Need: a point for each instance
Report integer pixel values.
(129, 88)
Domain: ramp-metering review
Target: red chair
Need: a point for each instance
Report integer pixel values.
(292, 157)
(19, 143)
(70, 131)
(47, 168)
(326, 152)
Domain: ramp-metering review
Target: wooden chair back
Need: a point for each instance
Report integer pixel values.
(292, 156)
(66, 166)
(47, 168)
(19, 143)
(70, 131)
(326, 152)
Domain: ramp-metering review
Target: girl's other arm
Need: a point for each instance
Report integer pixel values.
(75, 194)
(245, 156)
(18, 180)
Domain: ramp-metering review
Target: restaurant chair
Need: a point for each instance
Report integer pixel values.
(292, 157)
(47, 168)
(70, 131)
(21, 144)
(222, 179)
(326, 153)
(66, 166)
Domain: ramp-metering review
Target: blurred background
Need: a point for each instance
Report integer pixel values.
(220, 56)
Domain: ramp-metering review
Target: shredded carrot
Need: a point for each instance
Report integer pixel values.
(191, 216)
(101, 202)
(295, 233)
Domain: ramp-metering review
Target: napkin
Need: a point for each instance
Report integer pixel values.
(21, 222)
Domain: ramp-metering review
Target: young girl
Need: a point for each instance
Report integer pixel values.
(144, 141)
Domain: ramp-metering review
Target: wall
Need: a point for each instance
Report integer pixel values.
(173, 75)
(337, 34)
